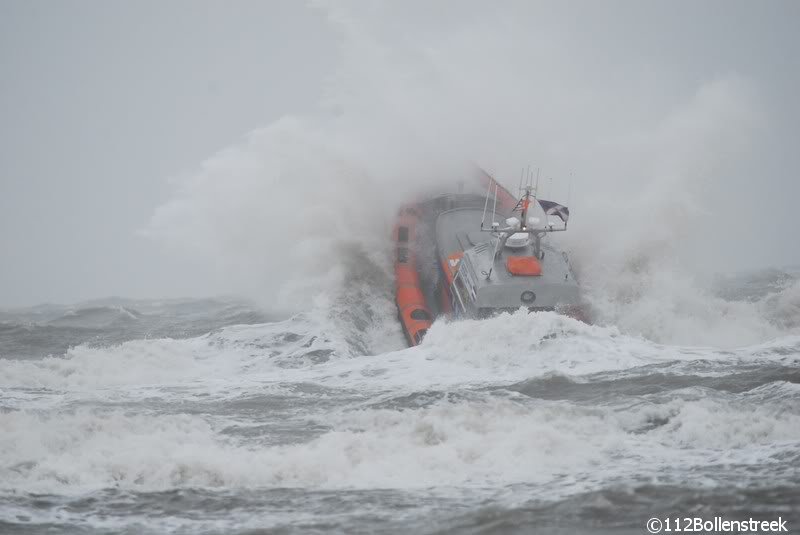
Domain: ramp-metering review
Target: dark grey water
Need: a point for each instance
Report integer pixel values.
(208, 417)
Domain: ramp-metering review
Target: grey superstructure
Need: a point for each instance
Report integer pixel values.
(494, 255)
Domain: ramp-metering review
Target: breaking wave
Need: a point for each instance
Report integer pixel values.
(312, 403)
(489, 440)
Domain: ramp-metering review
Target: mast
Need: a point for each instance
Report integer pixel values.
(486, 203)
(526, 201)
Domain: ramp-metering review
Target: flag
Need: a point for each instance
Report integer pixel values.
(553, 208)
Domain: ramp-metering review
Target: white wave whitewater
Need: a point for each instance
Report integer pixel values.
(215, 417)
(292, 425)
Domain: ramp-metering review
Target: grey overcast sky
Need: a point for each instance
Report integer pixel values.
(103, 102)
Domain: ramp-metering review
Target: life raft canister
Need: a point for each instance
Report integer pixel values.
(528, 266)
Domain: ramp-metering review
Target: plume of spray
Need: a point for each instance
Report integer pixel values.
(635, 258)
(415, 101)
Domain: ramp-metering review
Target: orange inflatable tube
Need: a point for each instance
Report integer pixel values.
(412, 309)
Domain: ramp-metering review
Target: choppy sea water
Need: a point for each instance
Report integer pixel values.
(212, 417)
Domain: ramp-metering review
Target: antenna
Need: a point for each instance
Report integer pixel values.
(527, 180)
(494, 208)
(486, 203)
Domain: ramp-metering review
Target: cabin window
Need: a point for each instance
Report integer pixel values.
(402, 255)
(402, 234)
(420, 314)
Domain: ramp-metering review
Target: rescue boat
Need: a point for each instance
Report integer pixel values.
(478, 252)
